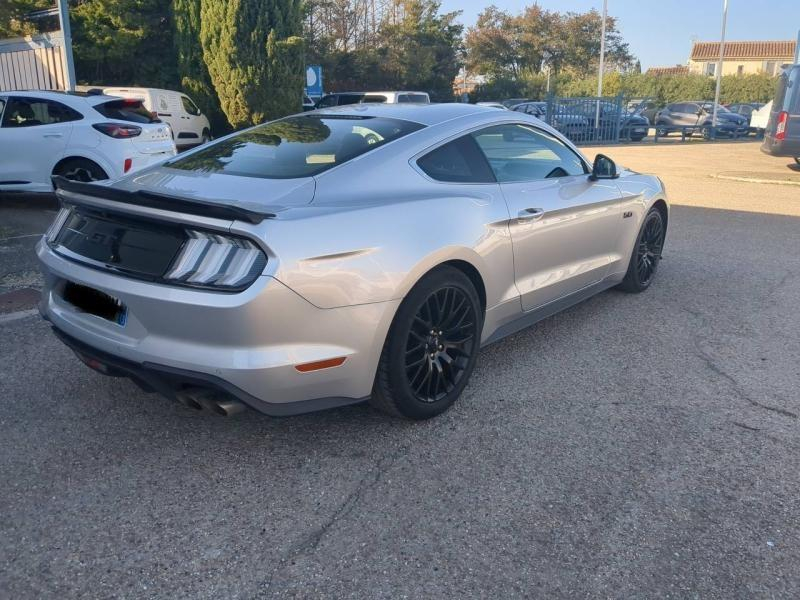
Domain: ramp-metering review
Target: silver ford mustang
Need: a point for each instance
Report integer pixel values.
(361, 252)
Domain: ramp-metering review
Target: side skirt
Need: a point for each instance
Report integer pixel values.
(535, 315)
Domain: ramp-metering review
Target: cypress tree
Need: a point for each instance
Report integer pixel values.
(254, 57)
(192, 70)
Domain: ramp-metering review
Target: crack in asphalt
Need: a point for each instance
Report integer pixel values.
(712, 365)
(311, 541)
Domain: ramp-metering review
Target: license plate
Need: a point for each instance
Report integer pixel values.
(95, 302)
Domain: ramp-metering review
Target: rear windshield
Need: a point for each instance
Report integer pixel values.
(417, 98)
(126, 110)
(298, 146)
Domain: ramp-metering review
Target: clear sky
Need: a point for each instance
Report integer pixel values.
(645, 24)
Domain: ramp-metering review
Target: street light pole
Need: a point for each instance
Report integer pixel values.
(69, 63)
(602, 64)
(719, 67)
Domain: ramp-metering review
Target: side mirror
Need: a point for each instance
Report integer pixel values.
(603, 168)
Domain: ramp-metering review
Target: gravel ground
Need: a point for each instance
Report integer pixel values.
(632, 447)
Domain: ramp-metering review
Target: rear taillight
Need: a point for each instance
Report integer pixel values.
(780, 130)
(127, 165)
(117, 130)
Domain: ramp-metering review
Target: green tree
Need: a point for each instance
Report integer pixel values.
(124, 42)
(12, 12)
(422, 48)
(254, 57)
(192, 69)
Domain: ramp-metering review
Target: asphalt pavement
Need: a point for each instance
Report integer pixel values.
(635, 446)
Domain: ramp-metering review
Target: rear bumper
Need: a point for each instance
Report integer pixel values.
(245, 344)
(775, 147)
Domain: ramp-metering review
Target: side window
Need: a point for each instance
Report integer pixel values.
(189, 106)
(374, 98)
(327, 101)
(29, 112)
(459, 161)
(518, 152)
(2, 106)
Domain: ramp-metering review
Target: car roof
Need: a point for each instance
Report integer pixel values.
(65, 97)
(425, 114)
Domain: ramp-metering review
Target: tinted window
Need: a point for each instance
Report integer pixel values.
(29, 112)
(374, 98)
(417, 98)
(298, 146)
(2, 106)
(189, 106)
(459, 161)
(521, 153)
(350, 99)
(327, 101)
(132, 111)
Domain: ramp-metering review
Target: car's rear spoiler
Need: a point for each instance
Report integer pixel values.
(163, 201)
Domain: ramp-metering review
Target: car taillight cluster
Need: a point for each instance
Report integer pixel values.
(780, 130)
(214, 260)
(118, 130)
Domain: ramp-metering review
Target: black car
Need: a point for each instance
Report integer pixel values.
(696, 116)
(574, 126)
(613, 119)
(746, 109)
(782, 136)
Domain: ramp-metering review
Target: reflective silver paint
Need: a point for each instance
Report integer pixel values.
(345, 248)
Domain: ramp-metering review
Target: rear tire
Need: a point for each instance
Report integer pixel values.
(206, 137)
(431, 348)
(646, 254)
(80, 169)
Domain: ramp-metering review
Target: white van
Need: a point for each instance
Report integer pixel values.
(189, 125)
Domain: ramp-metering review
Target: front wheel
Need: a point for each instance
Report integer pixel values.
(431, 348)
(797, 159)
(646, 253)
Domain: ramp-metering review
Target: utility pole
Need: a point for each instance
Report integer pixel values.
(69, 63)
(719, 68)
(602, 64)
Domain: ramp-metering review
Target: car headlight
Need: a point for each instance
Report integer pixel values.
(215, 260)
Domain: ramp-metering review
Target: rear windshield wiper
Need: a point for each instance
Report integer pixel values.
(163, 201)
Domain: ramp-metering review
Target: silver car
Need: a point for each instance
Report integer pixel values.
(364, 252)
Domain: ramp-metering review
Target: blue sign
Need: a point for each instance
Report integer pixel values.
(314, 80)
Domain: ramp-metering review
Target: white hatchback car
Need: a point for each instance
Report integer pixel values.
(77, 136)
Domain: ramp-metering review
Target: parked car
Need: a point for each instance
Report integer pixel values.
(746, 109)
(77, 136)
(782, 136)
(492, 105)
(613, 120)
(697, 116)
(343, 98)
(301, 267)
(189, 125)
(308, 103)
(512, 102)
(574, 126)
(644, 107)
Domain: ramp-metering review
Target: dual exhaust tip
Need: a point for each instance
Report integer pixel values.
(208, 400)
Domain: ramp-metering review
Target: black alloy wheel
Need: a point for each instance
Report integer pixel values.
(646, 254)
(649, 249)
(431, 348)
(440, 343)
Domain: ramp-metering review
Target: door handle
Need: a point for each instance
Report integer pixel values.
(53, 135)
(530, 214)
